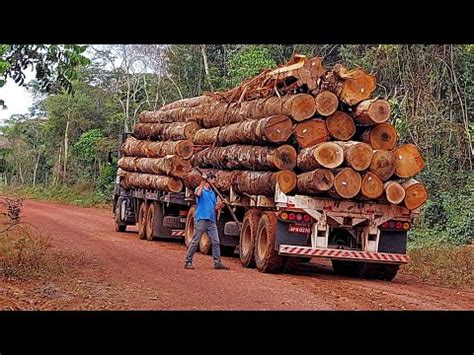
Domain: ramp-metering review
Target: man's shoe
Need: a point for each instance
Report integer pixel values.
(221, 267)
(188, 266)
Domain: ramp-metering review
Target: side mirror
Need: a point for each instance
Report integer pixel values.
(110, 157)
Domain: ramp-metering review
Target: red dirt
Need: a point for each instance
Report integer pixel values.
(119, 271)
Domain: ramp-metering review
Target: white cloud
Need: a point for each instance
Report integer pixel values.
(17, 99)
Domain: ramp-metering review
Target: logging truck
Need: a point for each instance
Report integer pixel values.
(361, 238)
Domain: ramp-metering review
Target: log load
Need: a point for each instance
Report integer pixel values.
(314, 182)
(371, 186)
(166, 131)
(408, 161)
(372, 112)
(357, 155)
(341, 126)
(382, 164)
(247, 157)
(415, 194)
(394, 192)
(327, 155)
(273, 129)
(262, 182)
(169, 165)
(383, 136)
(347, 183)
(223, 179)
(187, 103)
(311, 132)
(148, 149)
(326, 103)
(149, 181)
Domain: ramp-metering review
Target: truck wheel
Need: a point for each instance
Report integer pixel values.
(205, 245)
(120, 227)
(189, 229)
(266, 258)
(142, 219)
(290, 263)
(150, 219)
(247, 237)
(379, 271)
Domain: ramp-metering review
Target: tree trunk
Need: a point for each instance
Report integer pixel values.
(315, 181)
(382, 164)
(149, 181)
(35, 171)
(382, 136)
(66, 146)
(147, 149)
(223, 182)
(415, 194)
(166, 131)
(263, 183)
(394, 192)
(247, 157)
(408, 161)
(311, 132)
(328, 155)
(357, 155)
(273, 129)
(371, 186)
(206, 66)
(171, 165)
(371, 112)
(340, 126)
(347, 183)
(326, 103)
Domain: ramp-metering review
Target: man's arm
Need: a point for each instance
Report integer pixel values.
(198, 190)
(219, 204)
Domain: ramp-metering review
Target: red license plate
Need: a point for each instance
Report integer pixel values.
(295, 228)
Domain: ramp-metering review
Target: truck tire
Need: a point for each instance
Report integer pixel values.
(119, 225)
(379, 271)
(290, 263)
(189, 229)
(247, 238)
(142, 212)
(266, 257)
(150, 220)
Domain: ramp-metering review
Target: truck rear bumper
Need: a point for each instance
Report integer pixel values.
(341, 254)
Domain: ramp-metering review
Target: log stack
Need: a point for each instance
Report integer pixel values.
(311, 130)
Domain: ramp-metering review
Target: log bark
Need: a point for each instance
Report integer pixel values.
(149, 181)
(311, 132)
(326, 103)
(382, 164)
(383, 136)
(415, 194)
(372, 112)
(263, 183)
(166, 131)
(170, 165)
(188, 103)
(273, 129)
(133, 147)
(357, 155)
(341, 126)
(316, 181)
(247, 157)
(223, 179)
(347, 183)
(327, 155)
(408, 161)
(371, 186)
(394, 192)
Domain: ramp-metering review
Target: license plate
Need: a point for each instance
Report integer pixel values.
(295, 228)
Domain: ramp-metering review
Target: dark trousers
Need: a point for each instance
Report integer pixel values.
(200, 227)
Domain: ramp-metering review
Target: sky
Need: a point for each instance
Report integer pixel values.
(17, 99)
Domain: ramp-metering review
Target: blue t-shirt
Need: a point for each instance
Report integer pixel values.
(205, 205)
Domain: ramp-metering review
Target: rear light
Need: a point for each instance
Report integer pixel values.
(391, 225)
(307, 218)
(406, 226)
(299, 217)
(284, 215)
(385, 225)
(291, 216)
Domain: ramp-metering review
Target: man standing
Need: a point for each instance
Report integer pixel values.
(205, 221)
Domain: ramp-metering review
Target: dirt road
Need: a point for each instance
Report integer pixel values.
(119, 271)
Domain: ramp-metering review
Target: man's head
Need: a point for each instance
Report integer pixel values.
(211, 177)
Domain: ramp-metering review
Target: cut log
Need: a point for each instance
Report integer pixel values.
(300, 107)
(273, 129)
(408, 161)
(148, 149)
(326, 103)
(311, 132)
(394, 192)
(170, 165)
(149, 181)
(357, 155)
(340, 126)
(371, 186)
(247, 157)
(187, 103)
(347, 183)
(166, 131)
(383, 136)
(327, 155)
(263, 183)
(223, 179)
(315, 181)
(415, 194)
(382, 164)
(371, 112)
